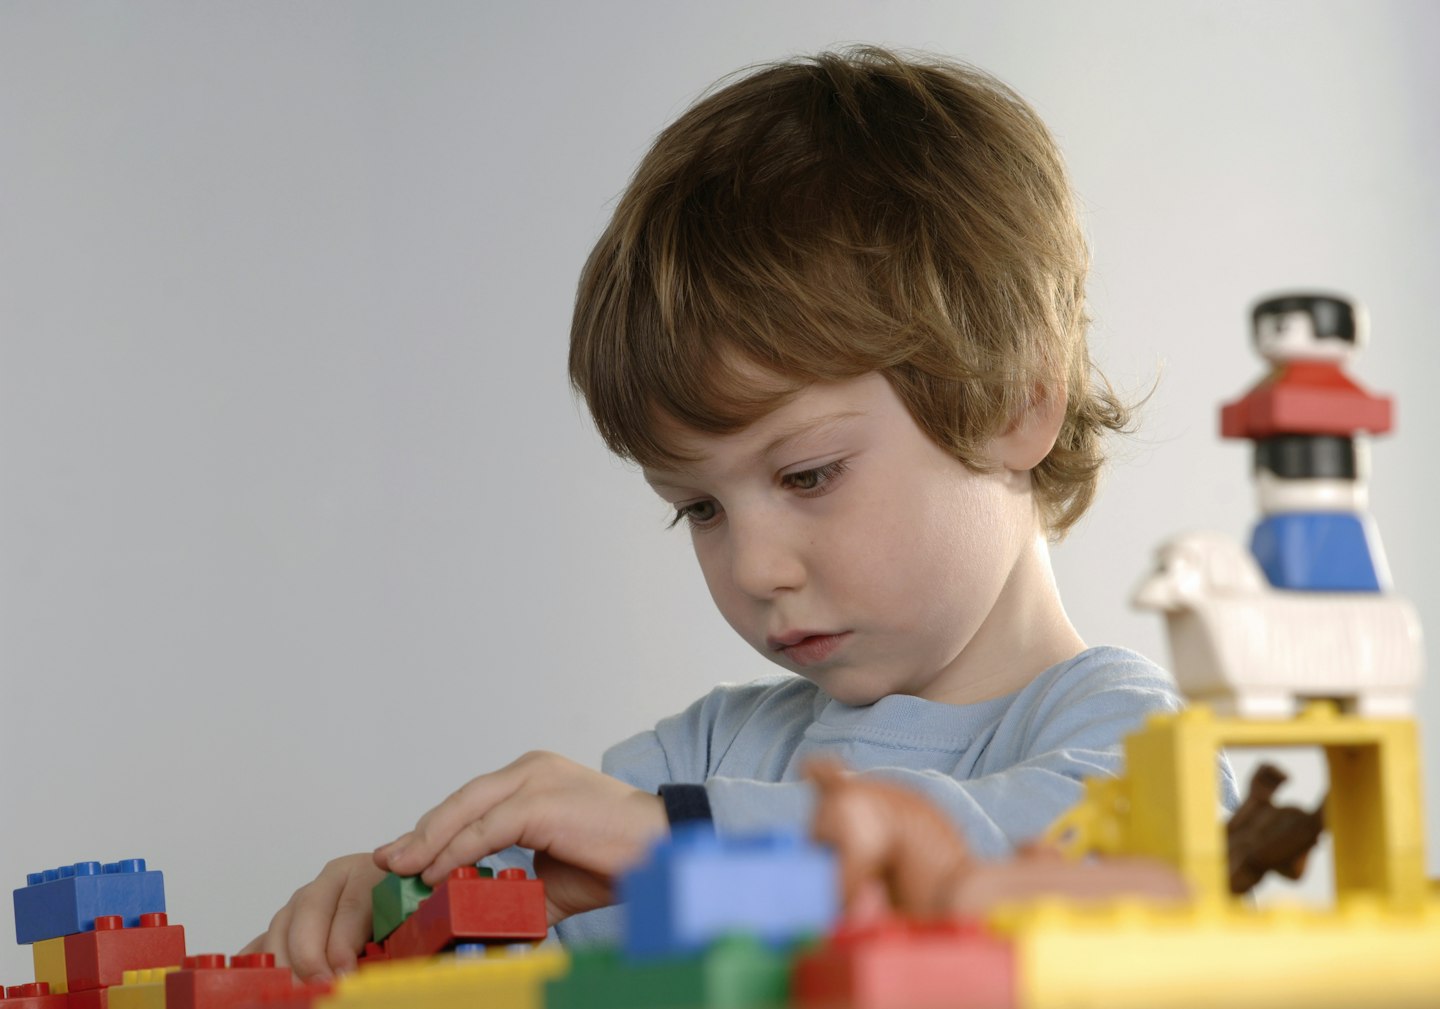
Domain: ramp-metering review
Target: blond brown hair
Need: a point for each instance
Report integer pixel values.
(832, 216)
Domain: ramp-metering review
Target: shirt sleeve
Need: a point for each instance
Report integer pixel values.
(682, 748)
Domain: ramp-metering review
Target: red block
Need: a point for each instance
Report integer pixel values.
(469, 908)
(99, 958)
(908, 965)
(372, 953)
(1306, 397)
(204, 982)
(35, 995)
(302, 996)
(90, 998)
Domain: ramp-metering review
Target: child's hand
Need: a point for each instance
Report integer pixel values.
(326, 922)
(584, 827)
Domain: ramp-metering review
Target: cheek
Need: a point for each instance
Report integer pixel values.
(723, 593)
(948, 555)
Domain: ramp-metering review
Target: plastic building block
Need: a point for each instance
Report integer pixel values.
(204, 982)
(100, 958)
(1129, 955)
(36, 995)
(302, 996)
(140, 989)
(490, 948)
(1316, 552)
(372, 953)
(696, 887)
(496, 980)
(1306, 397)
(90, 998)
(1245, 648)
(467, 906)
(49, 957)
(1164, 805)
(904, 964)
(393, 900)
(738, 972)
(69, 899)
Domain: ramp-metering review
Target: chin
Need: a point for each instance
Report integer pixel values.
(849, 690)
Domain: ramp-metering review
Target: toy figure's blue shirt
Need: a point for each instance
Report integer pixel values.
(1004, 769)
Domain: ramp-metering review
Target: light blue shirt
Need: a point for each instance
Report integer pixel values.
(1003, 769)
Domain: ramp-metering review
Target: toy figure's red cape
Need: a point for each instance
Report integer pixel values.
(1306, 397)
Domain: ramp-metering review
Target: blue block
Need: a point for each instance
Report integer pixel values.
(1318, 552)
(67, 900)
(697, 887)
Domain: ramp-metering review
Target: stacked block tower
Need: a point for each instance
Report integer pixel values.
(1308, 612)
(101, 939)
(709, 921)
(87, 924)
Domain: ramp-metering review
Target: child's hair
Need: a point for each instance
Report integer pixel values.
(828, 217)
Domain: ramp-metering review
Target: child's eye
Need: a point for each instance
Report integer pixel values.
(699, 514)
(817, 479)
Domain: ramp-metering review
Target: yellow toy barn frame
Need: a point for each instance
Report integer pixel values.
(1164, 806)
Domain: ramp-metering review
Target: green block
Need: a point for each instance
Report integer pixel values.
(393, 900)
(737, 972)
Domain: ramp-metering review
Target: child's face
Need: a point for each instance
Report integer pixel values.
(845, 545)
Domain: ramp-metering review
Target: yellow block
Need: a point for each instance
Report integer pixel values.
(1130, 955)
(49, 956)
(140, 989)
(498, 980)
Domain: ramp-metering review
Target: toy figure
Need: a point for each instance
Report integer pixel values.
(1263, 837)
(1309, 466)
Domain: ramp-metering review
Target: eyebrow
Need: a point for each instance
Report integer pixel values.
(787, 435)
(809, 427)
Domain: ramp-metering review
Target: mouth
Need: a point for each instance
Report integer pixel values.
(806, 648)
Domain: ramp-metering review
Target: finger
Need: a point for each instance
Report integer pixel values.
(1001, 882)
(255, 945)
(350, 927)
(274, 939)
(504, 825)
(569, 890)
(414, 851)
(311, 911)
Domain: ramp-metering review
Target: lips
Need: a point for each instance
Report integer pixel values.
(806, 648)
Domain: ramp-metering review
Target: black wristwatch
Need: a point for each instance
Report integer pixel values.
(687, 804)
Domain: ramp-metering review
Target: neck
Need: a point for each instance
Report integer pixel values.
(1025, 634)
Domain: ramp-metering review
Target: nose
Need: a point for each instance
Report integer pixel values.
(765, 558)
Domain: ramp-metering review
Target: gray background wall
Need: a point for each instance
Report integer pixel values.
(300, 526)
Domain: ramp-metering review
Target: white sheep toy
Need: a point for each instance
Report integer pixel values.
(1253, 651)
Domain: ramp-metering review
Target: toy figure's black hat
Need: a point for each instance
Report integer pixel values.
(1334, 317)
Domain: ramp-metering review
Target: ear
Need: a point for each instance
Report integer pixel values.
(1028, 440)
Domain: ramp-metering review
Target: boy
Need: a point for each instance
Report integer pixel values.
(838, 318)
